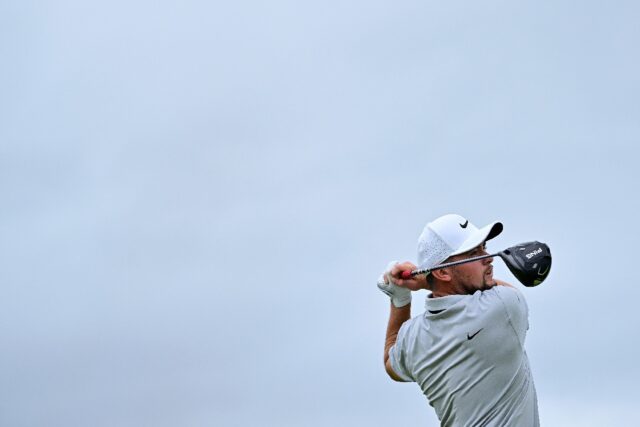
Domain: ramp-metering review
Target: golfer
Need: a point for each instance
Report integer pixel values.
(466, 351)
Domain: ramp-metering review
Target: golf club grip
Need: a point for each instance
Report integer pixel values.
(406, 274)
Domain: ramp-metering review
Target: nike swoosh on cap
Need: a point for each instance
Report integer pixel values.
(465, 224)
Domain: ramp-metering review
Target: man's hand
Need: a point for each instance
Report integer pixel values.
(413, 283)
(397, 289)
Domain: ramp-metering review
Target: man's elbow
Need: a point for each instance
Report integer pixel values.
(391, 372)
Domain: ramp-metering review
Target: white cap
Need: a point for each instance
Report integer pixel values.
(451, 235)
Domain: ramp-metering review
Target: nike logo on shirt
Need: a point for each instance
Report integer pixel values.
(470, 337)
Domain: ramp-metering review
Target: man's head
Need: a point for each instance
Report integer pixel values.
(452, 238)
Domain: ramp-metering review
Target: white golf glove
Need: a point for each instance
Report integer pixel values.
(399, 296)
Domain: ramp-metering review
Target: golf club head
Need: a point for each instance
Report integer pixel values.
(530, 262)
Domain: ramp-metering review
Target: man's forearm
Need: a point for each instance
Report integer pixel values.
(397, 317)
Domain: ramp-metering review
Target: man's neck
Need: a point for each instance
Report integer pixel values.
(443, 291)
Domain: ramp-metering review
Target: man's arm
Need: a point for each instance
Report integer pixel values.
(397, 317)
(400, 292)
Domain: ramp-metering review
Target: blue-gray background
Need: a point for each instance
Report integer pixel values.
(197, 198)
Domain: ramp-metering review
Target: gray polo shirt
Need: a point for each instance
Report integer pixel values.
(466, 352)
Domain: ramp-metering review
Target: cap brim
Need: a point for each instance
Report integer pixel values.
(482, 235)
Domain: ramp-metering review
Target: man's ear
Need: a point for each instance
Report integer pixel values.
(443, 274)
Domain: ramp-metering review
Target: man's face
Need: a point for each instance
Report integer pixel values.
(477, 275)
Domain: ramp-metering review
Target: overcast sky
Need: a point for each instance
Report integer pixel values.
(197, 199)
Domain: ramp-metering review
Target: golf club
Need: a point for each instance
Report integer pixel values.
(529, 262)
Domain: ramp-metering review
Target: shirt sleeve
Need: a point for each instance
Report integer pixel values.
(516, 309)
(398, 353)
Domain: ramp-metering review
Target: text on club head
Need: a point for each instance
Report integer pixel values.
(534, 253)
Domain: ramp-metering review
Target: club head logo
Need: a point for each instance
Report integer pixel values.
(534, 253)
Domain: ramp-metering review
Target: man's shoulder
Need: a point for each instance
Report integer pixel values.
(508, 293)
(504, 298)
(513, 303)
(503, 292)
(410, 328)
(413, 322)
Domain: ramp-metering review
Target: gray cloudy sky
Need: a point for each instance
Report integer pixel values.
(198, 198)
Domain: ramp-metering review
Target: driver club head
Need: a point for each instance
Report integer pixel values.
(529, 262)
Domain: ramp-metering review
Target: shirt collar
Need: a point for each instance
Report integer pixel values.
(442, 303)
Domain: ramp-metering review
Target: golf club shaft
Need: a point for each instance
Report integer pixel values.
(449, 264)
